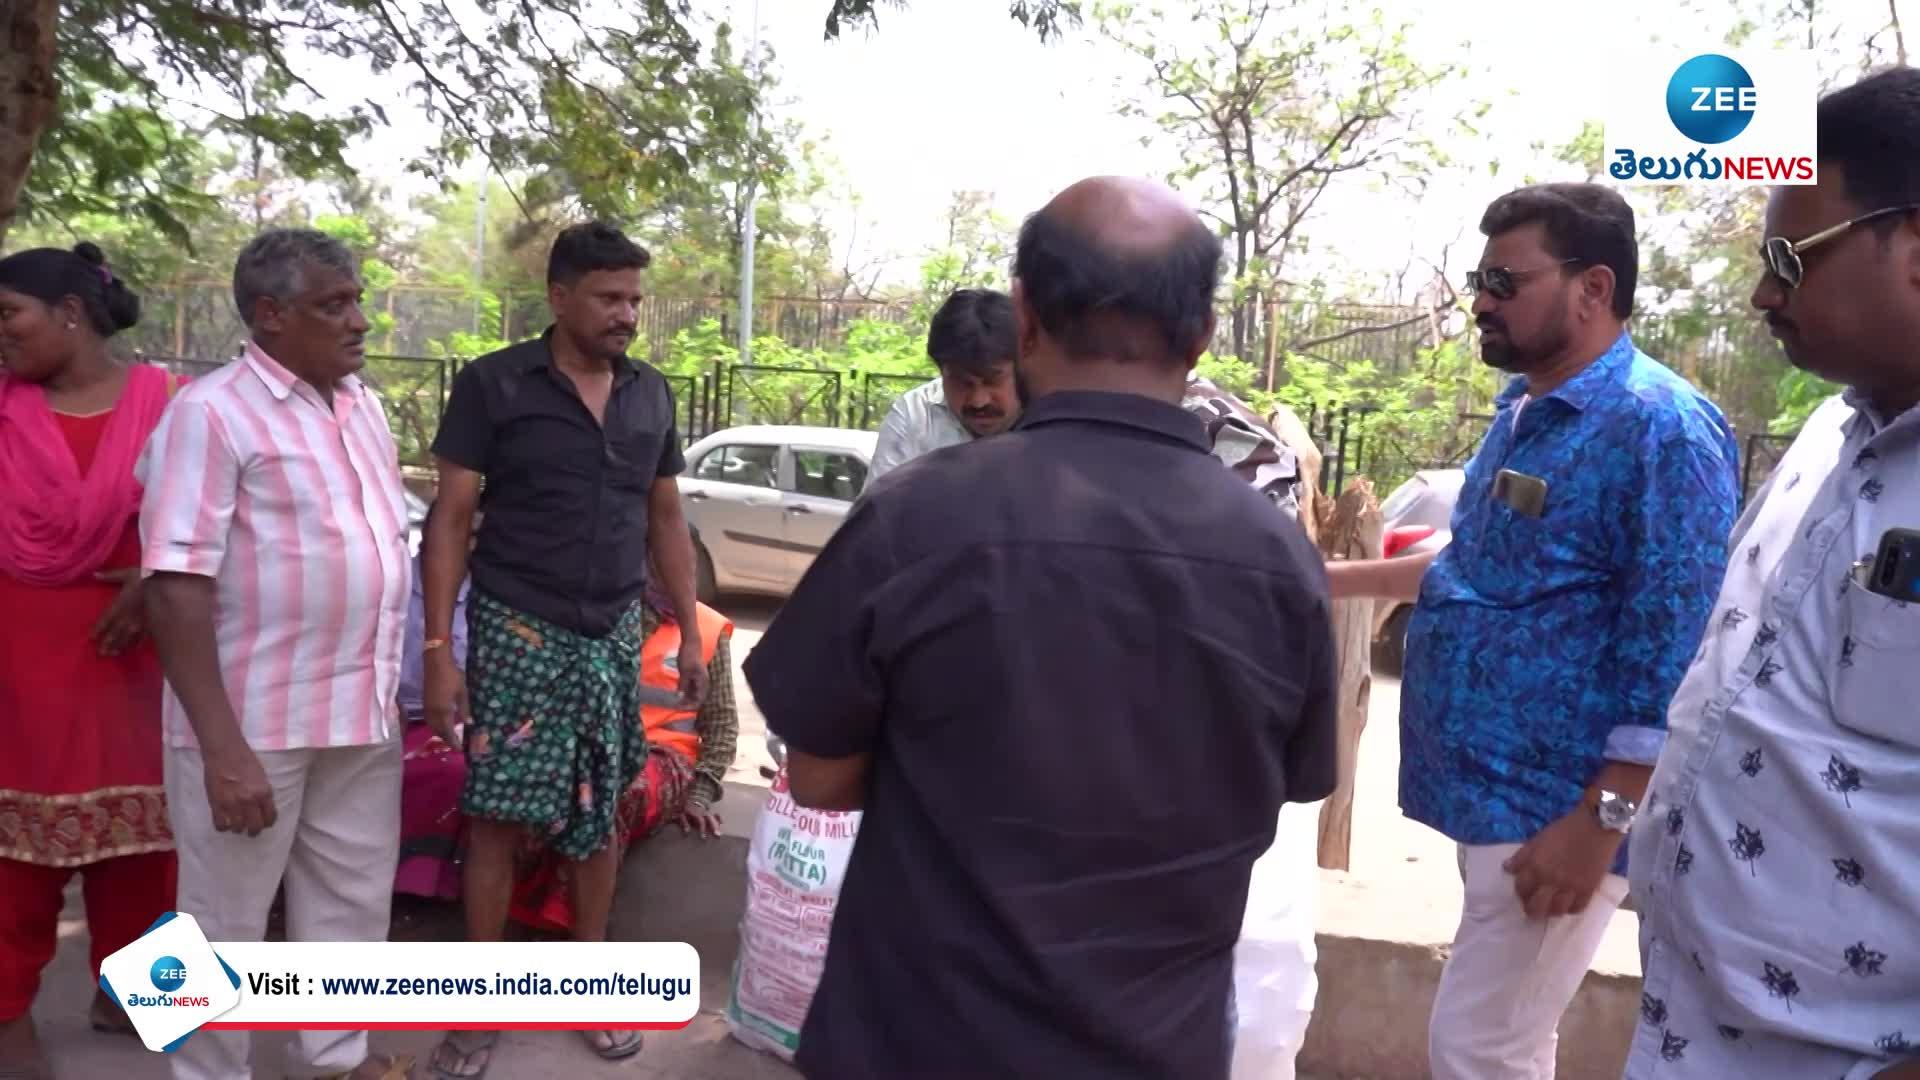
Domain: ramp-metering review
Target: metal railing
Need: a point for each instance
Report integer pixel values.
(783, 395)
(1763, 454)
(889, 385)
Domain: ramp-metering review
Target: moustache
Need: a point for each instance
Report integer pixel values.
(986, 413)
(1488, 322)
(1780, 323)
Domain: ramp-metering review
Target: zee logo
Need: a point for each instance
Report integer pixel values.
(168, 974)
(1711, 98)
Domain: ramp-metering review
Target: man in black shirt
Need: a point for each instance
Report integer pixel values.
(1070, 673)
(578, 450)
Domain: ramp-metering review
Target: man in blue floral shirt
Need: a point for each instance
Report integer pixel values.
(1551, 632)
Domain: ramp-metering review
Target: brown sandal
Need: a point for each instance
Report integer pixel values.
(397, 1067)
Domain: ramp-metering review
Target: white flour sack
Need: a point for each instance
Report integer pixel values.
(794, 870)
(1273, 965)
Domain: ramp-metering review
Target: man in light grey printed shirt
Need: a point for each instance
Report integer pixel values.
(972, 342)
(1777, 861)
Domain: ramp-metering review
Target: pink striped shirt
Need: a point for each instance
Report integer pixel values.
(297, 513)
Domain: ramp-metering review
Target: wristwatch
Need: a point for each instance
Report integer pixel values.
(1615, 811)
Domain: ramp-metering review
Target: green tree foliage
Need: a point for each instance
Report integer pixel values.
(1048, 18)
(1697, 277)
(1270, 108)
(515, 82)
(788, 384)
(1798, 394)
(977, 253)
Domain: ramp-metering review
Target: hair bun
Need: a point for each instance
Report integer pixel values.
(122, 305)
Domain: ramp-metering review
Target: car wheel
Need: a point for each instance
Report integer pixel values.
(1390, 650)
(705, 585)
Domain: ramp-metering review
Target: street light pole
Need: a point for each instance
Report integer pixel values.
(480, 244)
(752, 183)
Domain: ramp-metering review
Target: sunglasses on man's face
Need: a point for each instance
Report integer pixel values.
(1503, 282)
(1782, 256)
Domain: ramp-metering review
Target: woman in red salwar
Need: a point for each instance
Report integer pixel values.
(80, 783)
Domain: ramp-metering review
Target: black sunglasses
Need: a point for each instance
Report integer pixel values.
(1503, 283)
(1782, 255)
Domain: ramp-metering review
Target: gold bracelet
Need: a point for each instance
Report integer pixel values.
(434, 643)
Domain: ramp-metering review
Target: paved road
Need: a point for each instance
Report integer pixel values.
(1409, 867)
(1409, 874)
(750, 617)
(1395, 858)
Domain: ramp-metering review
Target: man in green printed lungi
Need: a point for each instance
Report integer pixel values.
(577, 448)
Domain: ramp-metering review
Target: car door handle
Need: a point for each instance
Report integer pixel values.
(799, 508)
(697, 496)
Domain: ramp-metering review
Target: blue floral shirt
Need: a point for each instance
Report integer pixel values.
(1544, 646)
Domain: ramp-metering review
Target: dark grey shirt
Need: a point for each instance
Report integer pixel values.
(1090, 665)
(565, 535)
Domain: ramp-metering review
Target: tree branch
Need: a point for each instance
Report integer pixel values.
(433, 80)
(1356, 331)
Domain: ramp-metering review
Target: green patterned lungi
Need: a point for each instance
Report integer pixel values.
(554, 737)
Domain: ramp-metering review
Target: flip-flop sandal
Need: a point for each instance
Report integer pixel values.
(468, 1045)
(625, 1044)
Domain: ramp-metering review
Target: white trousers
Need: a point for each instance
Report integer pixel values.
(335, 842)
(1508, 979)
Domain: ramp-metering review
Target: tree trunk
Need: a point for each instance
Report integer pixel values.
(1286, 424)
(1240, 309)
(1273, 345)
(1352, 530)
(1899, 37)
(28, 93)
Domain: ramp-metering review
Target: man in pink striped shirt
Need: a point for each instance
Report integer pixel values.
(275, 532)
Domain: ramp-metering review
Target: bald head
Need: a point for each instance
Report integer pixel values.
(1124, 214)
(1119, 269)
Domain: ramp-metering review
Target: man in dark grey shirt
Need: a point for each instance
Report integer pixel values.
(1071, 673)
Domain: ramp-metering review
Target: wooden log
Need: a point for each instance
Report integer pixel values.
(1351, 528)
(1313, 505)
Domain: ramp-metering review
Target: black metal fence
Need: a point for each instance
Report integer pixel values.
(782, 395)
(878, 391)
(1763, 454)
(414, 392)
(1342, 434)
(1340, 445)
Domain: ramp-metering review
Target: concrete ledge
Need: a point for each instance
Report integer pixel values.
(1380, 954)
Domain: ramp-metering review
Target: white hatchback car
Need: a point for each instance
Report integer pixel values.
(762, 501)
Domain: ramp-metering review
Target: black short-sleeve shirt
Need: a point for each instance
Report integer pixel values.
(565, 498)
(1090, 663)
